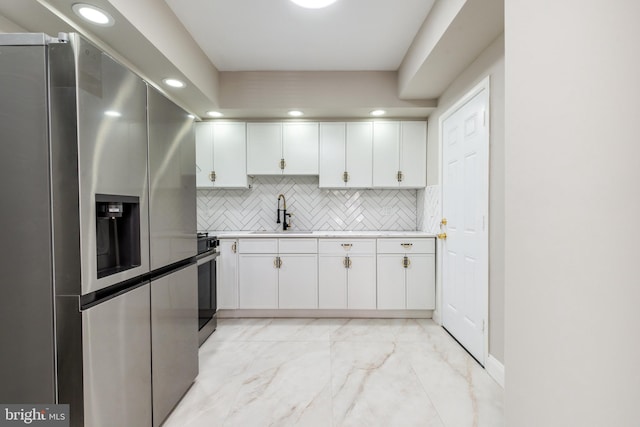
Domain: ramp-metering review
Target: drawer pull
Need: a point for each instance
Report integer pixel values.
(234, 247)
(346, 246)
(406, 245)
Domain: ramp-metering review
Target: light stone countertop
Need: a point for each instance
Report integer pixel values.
(317, 234)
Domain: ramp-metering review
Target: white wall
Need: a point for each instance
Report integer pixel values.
(489, 63)
(7, 26)
(157, 22)
(322, 93)
(572, 211)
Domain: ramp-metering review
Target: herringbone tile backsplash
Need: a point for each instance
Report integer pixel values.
(432, 213)
(312, 208)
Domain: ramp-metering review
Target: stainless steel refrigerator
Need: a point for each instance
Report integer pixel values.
(83, 310)
(174, 285)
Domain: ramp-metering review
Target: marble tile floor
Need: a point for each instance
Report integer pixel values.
(337, 372)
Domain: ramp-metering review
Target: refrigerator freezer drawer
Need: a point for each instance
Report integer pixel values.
(117, 361)
(174, 338)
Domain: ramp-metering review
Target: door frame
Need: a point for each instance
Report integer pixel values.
(484, 84)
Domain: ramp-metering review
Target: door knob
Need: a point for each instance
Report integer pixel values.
(442, 236)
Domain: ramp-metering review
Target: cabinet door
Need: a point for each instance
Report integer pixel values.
(332, 155)
(332, 286)
(413, 160)
(204, 154)
(264, 148)
(300, 148)
(298, 281)
(230, 155)
(227, 275)
(257, 281)
(386, 154)
(359, 161)
(391, 282)
(421, 279)
(362, 282)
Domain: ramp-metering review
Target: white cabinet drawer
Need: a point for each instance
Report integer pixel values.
(404, 246)
(258, 246)
(347, 246)
(298, 246)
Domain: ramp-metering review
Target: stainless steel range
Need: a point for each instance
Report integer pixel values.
(207, 305)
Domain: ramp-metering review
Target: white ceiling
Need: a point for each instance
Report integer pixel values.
(397, 55)
(277, 35)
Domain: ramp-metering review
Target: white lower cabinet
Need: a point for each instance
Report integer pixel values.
(332, 291)
(347, 276)
(298, 281)
(258, 281)
(307, 274)
(421, 287)
(269, 279)
(406, 274)
(391, 282)
(227, 275)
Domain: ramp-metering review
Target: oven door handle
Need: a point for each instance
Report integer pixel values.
(208, 258)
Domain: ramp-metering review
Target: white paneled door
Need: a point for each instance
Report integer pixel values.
(465, 183)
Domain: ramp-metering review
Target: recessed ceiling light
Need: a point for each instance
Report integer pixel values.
(216, 114)
(93, 14)
(174, 83)
(314, 4)
(112, 113)
(295, 113)
(378, 113)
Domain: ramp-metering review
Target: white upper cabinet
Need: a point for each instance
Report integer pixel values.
(221, 151)
(332, 155)
(359, 155)
(264, 148)
(413, 154)
(386, 153)
(230, 155)
(300, 148)
(400, 154)
(204, 154)
(282, 148)
(346, 155)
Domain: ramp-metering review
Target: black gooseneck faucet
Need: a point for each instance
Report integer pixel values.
(285, 225)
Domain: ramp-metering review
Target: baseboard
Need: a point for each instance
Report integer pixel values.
(495, 369)
(375, 314)
(436, 317)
